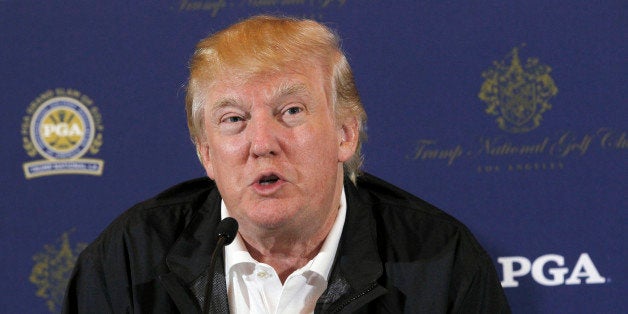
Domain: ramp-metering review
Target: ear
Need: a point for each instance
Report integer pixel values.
(204, 155)
(349, 135)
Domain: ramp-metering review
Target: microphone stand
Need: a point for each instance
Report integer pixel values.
(210, 273)
(226, 233)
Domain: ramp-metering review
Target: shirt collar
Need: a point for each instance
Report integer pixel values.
(236, 253)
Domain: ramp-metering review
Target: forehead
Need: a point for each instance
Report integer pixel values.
(296, 80)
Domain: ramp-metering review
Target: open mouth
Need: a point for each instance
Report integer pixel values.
(267, 180)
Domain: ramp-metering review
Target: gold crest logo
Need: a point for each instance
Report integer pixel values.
(62, 126)
(517, 94)
(52, 270)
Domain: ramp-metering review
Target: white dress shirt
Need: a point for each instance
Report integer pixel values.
(254, 287)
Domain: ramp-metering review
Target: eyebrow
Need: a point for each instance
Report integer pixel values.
(291, 89)
(224, 102)
(220, 104)
(284, 90)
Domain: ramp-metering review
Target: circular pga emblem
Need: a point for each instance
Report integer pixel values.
(62, 128)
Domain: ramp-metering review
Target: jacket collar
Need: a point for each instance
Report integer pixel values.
(190, 256)
(191, 253)
(358, 266)
(359, 258)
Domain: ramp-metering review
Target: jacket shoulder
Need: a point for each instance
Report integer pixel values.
(162, 217)
(384, 194)
(406, 219)
(184, 192)
(183, 197)
(428, 256)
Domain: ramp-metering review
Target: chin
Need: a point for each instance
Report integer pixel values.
(269, 220)
(269, 224)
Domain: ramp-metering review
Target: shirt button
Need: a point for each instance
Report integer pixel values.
(263, 274)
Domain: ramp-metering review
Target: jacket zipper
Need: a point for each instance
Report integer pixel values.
(363, 293)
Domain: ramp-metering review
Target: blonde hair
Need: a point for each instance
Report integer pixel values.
(262, 44)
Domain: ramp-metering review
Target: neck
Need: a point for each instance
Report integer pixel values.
(287, 253)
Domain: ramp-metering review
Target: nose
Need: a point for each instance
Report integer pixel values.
(263, 134)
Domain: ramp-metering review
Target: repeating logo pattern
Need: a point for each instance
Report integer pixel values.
(62, 126)
(518, 94)
(52, 270)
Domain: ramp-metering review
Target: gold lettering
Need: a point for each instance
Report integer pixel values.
(212, 6)
(73, 93)
(325, 3)
(535, 166)
(86, 100)
(622, 142)
(26, 122)
(499, 147)
(32, 107)
(292, 2)
(609, 139)
(216, 6)
(97, 118)
(426, 151)
(568, 143)
(488, 168)
(262, 3)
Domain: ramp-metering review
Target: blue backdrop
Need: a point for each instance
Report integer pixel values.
(509, 115)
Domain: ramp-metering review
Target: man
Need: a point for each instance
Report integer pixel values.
(277, 123)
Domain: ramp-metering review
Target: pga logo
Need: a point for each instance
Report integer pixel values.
(519, 266)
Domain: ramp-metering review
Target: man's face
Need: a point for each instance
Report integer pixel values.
(274, 149)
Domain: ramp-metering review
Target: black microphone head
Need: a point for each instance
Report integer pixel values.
(227, 229)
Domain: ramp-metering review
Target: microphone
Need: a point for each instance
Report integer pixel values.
(227, 230)
(225, 233)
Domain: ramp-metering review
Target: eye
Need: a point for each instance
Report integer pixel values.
(293, 115)
(231, 123)
(231, 119)
(293, 110)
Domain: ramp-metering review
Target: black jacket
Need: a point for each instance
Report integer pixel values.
(398, 254)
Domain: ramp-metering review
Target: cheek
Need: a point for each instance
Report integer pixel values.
(232, 150)
(225, 153)
(317, 149)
